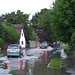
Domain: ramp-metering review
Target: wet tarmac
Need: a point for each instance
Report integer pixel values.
(34, 62)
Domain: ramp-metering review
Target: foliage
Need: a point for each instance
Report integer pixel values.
(34, 37)
(0, 50)
(69, 53)
(56, 62)
(35, 20)
(15, 17)
(27, 31)
(73, 40)
(1, 43)
(42, 20)
(63, 45)
(8, 32)
(63, 19)
(58, 23)
(11, 35)
(1, 30)
(10, 25)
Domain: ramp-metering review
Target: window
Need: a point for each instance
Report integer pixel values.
(22, 42)
(22, 34)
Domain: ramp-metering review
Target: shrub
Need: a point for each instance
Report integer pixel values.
(1, 43)
(11, 35)
(0, 50)
(73, 41)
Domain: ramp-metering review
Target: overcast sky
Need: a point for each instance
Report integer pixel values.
(26, 6)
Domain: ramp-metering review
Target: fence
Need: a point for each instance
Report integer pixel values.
(33, 44)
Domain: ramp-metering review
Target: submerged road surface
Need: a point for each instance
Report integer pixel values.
(34, 62)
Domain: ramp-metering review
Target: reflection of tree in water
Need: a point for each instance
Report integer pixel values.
(29, 68)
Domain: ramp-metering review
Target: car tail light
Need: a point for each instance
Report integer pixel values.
(45, 45)
(7, 50)
(18, 50)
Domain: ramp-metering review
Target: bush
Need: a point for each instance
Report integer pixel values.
(73, 41)
(0, 50)
(11, 35)
(69, 53)
(1, 43)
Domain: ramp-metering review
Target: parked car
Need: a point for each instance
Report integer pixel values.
(54, 44)
(14, 50)
(43, 45)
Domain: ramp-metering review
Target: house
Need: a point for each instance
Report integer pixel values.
(22, 40)
(19, 27)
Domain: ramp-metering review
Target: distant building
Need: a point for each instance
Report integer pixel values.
(41, 34)
(22, 40)
(19, 27)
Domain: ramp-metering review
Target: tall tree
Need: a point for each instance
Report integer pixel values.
(42, 20)
(15, 17)
(35, 20)
(1, 29)
(11, 35)
(63, 19)
(44, 23)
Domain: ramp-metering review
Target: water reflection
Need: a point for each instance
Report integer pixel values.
(40, 57)
(46, 56)
(34, 63)
(70, 67)
(43, 56)
(15, 64)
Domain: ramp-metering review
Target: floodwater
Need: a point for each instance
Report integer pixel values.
(35, 62)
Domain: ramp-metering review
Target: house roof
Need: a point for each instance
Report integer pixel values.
(18, 27)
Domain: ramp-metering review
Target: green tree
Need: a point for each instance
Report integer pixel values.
(1, 43)
(28, 32)
(63, 19)
(35, 20)
(15, 17)
(11, 35)
(73, 41)
(44, 23)
(42, 20)
(34, 37)
(1, 29)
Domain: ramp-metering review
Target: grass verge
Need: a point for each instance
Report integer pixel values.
(70, 53)
(1, 54)
(56, 62)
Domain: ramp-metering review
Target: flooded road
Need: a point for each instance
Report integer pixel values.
(34, 62)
